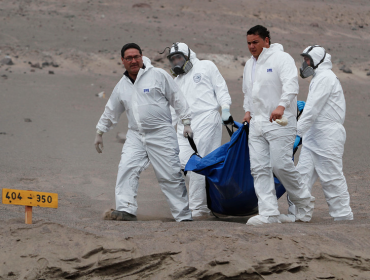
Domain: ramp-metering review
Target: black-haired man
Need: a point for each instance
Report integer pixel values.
(270, 86)
(146, 93)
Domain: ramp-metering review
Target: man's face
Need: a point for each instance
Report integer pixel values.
(307, 59)
(132, 61)
(256, 44)
(177, 59)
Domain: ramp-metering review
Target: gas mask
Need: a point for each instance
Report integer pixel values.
(180, 64)
(309, 70)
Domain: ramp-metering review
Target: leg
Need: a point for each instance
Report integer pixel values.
(309, 176)
(134, 160)
(261, 170)
(281, 147)
(163, 152)
(207, 137)
(330, 171)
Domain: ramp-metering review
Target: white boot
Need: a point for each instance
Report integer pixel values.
(349, 217)
(286, 218)
(261, 220)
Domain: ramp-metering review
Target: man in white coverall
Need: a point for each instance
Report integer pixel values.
(206, 91)
(322, 132)
(146, 93)
(270, 86)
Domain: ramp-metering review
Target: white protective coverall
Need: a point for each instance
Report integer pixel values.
(205, 91)
(323, 137)
(150, 136)
(271, 145)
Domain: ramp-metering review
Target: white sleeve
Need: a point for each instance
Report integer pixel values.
(317, 97)
(289, 78)
(247, 95)
(174, 117)
(113, 110)
(175, 97)
(219, 86)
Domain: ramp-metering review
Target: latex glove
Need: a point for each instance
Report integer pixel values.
(283, 121)
(225, 113)
(99, 141)
(187, 131)
(296, 142)
(277, 113)
(300, 105)
(247, 117)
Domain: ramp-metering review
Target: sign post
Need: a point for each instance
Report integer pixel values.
(29, 199)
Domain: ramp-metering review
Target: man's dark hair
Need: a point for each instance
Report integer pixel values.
(261, 31)
(130, 46)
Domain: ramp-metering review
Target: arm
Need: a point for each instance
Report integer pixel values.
(113, 110)
(219, 86)
(175, 97)
(247, 97)
(317, 97)
(289, 78)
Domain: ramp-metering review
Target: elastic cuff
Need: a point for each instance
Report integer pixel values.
(225, 106)
(99, 132)
(284, 104)
(186, 121)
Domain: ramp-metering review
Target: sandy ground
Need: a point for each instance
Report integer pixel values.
(55, 153)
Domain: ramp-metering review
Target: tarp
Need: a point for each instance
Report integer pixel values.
(229, 183)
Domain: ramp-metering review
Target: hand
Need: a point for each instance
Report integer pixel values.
(225, 113)
(247, 117)
(187, 131)
(296, 142)
(300, 105)
(277, 113)
(99, 141)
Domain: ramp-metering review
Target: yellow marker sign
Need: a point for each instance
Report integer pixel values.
(30, 198)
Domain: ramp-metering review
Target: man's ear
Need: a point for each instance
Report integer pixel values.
(122, 59)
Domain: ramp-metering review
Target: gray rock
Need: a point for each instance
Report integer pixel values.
(7, 61)
(346, 69)
(243, 63)
(27, 120)
(35, 65)
(51, 72)
(314, 24)
(368, 74)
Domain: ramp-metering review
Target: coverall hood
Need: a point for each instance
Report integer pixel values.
(185, 50)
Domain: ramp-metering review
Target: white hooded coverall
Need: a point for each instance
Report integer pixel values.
(271, 145)
(323, 137)
(205, 91)
(150, 136)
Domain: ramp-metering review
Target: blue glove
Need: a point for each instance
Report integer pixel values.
(296, 142)
(301, 105)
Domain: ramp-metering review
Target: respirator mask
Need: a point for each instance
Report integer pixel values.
(180, 64)
(309, 70)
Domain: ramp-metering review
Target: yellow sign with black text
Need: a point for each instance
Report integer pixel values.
(30, 198)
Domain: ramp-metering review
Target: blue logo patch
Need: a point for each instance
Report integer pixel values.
(269, 70)
(146, 90)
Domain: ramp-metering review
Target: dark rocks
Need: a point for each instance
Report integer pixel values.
(7, 61)
(314, 24)
(2, 133)
(27, 120)
(368, 74)
(346, 69)
(141, 5)
(4, 76)
(243, 63)
(35, 65)
(51, 72)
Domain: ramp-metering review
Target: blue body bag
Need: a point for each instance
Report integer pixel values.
(229, 183)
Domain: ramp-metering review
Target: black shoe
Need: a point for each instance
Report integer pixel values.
(122, 216)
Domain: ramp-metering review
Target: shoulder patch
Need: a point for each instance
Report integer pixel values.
(197, 77)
